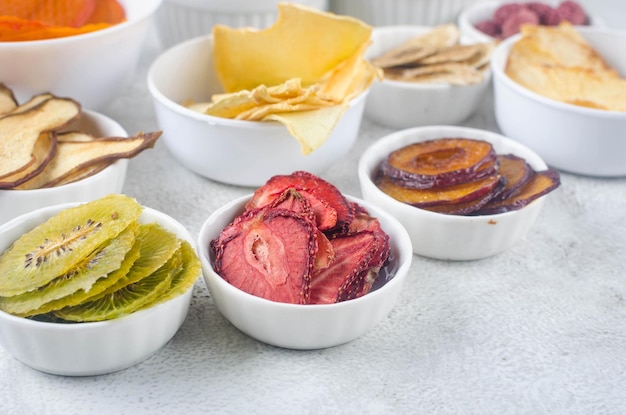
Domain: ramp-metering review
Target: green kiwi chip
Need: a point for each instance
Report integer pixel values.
(126, 300)
(95, 262)
(97, 265)
(56, 246)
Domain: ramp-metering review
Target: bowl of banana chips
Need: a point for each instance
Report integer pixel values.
(562, 92)
(431, 76)
(95, 287)
(54, 151)
(241, 105)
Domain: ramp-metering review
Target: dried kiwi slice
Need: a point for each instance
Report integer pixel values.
(98, 264)
(126, 300)
(98, 287)
(157, 245)
(186, 277)
(56, 246)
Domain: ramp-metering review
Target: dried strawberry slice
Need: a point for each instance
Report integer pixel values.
(268, 253)
(330, 206)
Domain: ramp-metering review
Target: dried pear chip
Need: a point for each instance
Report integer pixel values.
(77, 153)
(44, 150)
(7, 100)
(54, 247)
(32, 103)
(157, 245)
(97, 265)
(126, 300)
(20, 131)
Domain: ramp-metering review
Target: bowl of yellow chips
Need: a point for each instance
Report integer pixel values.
(290, 98)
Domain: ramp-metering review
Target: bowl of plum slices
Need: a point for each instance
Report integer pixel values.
(299, 265)
(461, 193)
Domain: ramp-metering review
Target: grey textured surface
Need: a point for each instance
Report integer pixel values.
(539, 329)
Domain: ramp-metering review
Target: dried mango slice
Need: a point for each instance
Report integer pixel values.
(303, 43)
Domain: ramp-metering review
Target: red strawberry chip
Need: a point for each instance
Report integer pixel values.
(513, 23)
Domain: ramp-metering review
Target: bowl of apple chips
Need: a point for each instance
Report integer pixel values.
(562, 92)
(241, 105)
(91, 288)
(431, 75)
(53, 151)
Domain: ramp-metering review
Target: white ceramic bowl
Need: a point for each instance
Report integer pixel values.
(297, 326)
(92, 68)
(109, 180)
(180, 20)
(568, 137)
(401, 12)
(484, 10)
(244, 153)
(400, 104)
(86, 349)
(442, 236)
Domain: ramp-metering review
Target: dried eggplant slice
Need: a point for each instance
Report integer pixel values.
(438, 196)
(7, 100)
(439, 163)
(76, 155)
(44, 150)
(540, 183)
(20, 131)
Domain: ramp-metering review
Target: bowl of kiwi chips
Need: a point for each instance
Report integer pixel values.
(92, 288)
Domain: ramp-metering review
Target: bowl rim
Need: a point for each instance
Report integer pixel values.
(179, 109)
(48, 211)
(374, 153)
(403, 244)
(498, 62)
(424, 86)
(87, 180)
(145, 14)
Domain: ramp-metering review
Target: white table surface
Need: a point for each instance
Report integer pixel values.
(539, 329)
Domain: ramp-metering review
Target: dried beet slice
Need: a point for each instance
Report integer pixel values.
(516, 171)
(330, 206)
(268, 253)
(438, 163)
(540, 183)
(434, 197)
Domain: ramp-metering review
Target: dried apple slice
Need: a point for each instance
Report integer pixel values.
(439, 163)
(20, 131)
(76, 152)
(438, 196)
(44, 150)
(540, 183)
(7, 100)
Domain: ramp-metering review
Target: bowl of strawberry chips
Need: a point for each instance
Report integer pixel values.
(299, 265)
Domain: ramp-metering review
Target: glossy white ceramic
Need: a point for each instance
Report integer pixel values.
(401, 12)
(109, 180)
(484, 10)
(180, 20)
(297, 326)
(568, 137)
(400, 105)
(450, 237)
(92, 68)
(86, 349)
(244, 153)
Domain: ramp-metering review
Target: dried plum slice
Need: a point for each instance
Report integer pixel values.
(466, 208)
(439, 163)
(433, 197)
(517, 172)
(268, 253)
(330, 206)
(540, 183)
